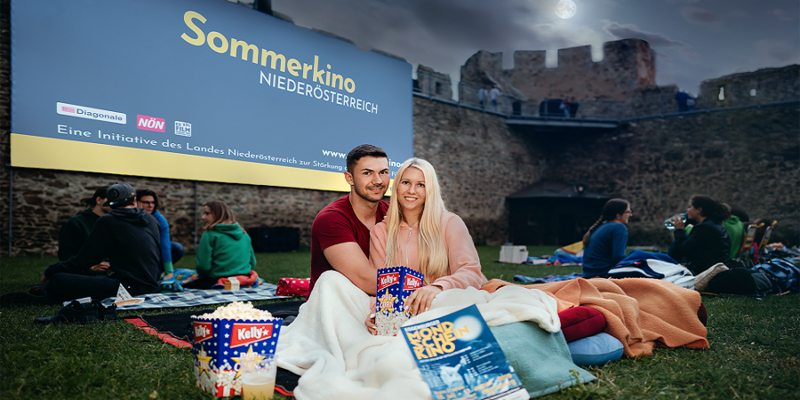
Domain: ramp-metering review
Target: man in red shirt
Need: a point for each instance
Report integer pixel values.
(340, 233)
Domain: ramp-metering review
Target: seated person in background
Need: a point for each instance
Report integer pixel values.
(224, 250)
(605, 242)
(421, 234)
(171, 252)
(128, 237)
(708, 242)
(734, 227)
(75, 231)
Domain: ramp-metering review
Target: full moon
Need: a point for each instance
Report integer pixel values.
(566, 9)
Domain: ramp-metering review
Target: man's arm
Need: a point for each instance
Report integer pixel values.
(348, 259)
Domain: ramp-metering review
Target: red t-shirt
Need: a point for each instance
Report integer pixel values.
(337, 223)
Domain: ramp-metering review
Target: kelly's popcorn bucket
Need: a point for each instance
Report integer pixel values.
(394, 286)
(229, 340)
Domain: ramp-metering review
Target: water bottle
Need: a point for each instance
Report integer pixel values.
(668, 222)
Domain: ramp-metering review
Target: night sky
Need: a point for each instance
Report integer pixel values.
(694, 39)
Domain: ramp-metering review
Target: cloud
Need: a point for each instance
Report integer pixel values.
(783, 15)
(624, 31)
(776, 52)
(700, 16)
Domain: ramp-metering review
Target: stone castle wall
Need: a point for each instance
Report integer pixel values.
(621, 85)
(768, 85)
(748, 158)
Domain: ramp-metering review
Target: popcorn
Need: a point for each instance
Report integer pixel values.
(394, 286)
(227, 339)
(237, 309)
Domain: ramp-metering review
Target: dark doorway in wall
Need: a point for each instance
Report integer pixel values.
(552, 213)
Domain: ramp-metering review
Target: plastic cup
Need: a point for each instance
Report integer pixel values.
(258, 379)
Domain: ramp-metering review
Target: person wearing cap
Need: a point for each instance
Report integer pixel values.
(128, 237)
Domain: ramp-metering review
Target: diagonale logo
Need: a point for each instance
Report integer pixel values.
(150, 123)
(72, 110)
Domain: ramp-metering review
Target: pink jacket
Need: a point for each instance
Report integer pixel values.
(465, 266)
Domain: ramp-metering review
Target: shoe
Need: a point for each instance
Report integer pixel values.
(105, 313)
(36, 290)
(25, 298)
(72, 313)
(702, 279)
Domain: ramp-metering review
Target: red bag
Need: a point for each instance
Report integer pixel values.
(293, 287)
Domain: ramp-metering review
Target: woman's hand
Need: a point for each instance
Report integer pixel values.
(421, 299)
(677, 222)
(370, 323)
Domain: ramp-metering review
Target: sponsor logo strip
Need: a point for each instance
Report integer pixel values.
(96, 114)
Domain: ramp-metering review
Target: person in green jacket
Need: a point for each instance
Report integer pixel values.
(74, 232)
(224, 250)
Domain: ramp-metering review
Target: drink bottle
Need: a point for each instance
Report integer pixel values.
(668, 222)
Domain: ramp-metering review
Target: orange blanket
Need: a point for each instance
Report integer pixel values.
(639, 312)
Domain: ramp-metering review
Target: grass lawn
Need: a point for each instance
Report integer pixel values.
(754, 354)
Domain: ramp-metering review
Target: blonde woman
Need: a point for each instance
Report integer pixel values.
(421, 234)
(224, 250)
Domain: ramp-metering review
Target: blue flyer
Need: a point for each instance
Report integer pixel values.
(459, 358)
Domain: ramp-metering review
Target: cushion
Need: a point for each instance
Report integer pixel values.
(595, 350)
(580, 322)
(540, 359)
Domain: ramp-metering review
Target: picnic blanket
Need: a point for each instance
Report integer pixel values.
(198, 297)
(550, 278)
(638, 312)
(338, 358)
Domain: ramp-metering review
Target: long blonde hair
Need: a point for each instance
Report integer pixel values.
(432, 253)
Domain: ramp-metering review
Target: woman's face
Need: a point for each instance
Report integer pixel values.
(625, 216)
(411, 191)
(693, 213)
(148, 203)
(208, 216)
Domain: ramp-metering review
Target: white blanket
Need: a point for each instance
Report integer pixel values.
(329, 345)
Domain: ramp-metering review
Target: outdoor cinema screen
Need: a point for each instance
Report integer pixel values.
(198, 90)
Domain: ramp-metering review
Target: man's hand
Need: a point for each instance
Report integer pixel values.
(421, 299)
(100, 267)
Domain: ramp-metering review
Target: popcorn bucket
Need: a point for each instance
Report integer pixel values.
(222, 347)
(394, 286)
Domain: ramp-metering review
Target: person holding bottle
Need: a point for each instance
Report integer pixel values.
(605, 243)
(708, 243)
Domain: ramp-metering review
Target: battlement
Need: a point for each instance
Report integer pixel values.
(628, 65)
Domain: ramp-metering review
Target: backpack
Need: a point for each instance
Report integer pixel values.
(783, 274)
(746, 282)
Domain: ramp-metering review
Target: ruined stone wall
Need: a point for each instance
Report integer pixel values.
(619, 86)
(768, 85)
(748, 158)
(479, 161)
(432, 83)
